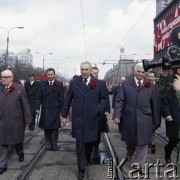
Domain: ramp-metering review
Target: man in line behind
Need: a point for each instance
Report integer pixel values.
(31, 87)
(115, 92)
(103, 121)
(151, 76)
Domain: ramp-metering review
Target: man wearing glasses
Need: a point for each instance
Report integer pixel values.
(14, 117)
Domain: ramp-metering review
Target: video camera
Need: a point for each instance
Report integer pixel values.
(172, 59)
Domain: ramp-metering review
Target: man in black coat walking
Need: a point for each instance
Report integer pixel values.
(50, 95)
(31, 87)
(88, 98)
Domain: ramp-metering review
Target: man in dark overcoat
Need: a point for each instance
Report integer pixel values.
(138, 102)
(171, 113)
(50, 95)
(115, 92)
(31, 87)
(14, 117)
(88, 97)
(103, 122)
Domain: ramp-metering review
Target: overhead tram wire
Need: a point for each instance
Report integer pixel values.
(83, 27)
(131, 29)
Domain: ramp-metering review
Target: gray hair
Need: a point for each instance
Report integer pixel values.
(7, 72)
(138, 66)
(86, 62)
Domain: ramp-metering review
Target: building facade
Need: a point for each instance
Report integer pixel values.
(125, 67)
(161, 5)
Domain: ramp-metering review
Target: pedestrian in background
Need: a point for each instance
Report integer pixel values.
(103, 121)
(115, 92)
(50, 96)
(31, 87)
(151, 76)
(15, 117)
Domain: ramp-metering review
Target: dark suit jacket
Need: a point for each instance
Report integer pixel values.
(52, 100)
(88, 104)
(31, 91)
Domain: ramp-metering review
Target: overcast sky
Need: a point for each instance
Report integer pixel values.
(55, 26)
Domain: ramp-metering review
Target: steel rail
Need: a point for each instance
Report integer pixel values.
(29, 169)
(116, 171)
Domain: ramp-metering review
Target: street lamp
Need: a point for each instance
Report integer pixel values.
(43, 57)
(7, 51)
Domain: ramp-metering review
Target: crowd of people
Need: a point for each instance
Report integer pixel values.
(138, 104)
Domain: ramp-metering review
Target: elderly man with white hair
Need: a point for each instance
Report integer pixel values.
(14, 117)
(137, 101)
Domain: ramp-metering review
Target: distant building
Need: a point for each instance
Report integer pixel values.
(25, 58)
(161, 5)
(125, 67)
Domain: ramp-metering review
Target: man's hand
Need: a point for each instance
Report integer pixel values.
(165, 72)
(169, 118)
(26, 125)
(63, 120)
(37, 111)
(116, 121)
(176, 83)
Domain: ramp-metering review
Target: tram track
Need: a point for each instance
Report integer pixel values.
(117, 172)
(34, 162)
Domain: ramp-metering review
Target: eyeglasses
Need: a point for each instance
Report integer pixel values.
(5, 77)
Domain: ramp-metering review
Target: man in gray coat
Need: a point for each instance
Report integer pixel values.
(137, 100)
(14, 117)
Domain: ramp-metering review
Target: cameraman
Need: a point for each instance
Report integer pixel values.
(169, 88)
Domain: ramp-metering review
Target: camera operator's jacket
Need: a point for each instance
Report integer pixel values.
(165, 88)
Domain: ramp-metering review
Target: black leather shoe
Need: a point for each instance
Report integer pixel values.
(54, 147)
(142, 171)
(128, 157)
(2, 170)
(81, 175)
(153, 149)
(167, 155)
(21, 157)
(167, 159)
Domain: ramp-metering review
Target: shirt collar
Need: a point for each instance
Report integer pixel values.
(31, 82)
(9, 85)
(88, 80)
(136, 80)
(51, 81)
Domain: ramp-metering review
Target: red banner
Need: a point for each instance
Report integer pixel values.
(163, 30)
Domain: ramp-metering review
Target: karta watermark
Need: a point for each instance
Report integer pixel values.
(169, 171)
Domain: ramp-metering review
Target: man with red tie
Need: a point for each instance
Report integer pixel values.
(88, 97)
(137, 100)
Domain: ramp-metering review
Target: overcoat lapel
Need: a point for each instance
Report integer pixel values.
(48, 88)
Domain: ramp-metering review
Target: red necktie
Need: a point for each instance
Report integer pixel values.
(85, 82)
(50, 83)
(139, 84)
